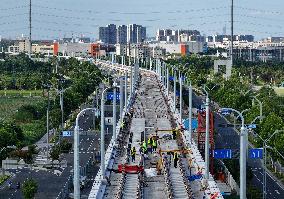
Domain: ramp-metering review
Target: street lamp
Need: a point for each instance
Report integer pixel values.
(47, 86)
(102, 131)
(207, 135)
(260, 107)
(242, 113)
(264, 162)
(125, 90)
(190, 112)
(175, 88)
(168, 81)
(4, 148)
(76, 180)
(120, 102)
(243, 151)
(60, 92)
(180, 97)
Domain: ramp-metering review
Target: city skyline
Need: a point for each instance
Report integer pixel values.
(52, 19)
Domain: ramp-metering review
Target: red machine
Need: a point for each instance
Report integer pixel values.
(130, 168)
(201, 132)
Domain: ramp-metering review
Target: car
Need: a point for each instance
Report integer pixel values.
(18, 185)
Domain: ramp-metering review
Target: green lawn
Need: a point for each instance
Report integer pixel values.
(279, 91)
(16, 93)
(10, 105)
(3, 179)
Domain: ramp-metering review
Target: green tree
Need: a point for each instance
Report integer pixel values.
(271, 123)
(29, 188)
(55, 152)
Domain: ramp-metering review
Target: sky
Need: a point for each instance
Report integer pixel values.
(53, 19)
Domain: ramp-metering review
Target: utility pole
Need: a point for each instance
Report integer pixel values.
(190, 112)
(168, 81)
(207, 139)
(232, 31)
(180, 96)
(47, 120)
(121, 97)
(125, 89)
(114, 112)
(30, 22)
(175, 89)
(61, 92)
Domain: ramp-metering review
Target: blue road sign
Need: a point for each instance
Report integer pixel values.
(225, 112)
(194, 124)
(171, 78)
(256, 153)
(222, 153)
(67, 133)
(252, 126)
(110, 96)
(194, 177)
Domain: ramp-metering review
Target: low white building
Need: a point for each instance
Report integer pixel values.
(75, 49)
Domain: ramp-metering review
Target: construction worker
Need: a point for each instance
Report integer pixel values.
(150, 142)
(144, 145)
(174, 134)
(175, 159)
(122, 125)
(133, 153)
(141, 151)
(154, 145)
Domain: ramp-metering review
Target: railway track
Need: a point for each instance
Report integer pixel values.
(151, 111)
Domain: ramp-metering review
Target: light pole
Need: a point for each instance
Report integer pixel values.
(242, 113)
(47, 86)
(207, 139)
(121, 96)
(131, 78)
(61, 91)
(114, 111)
(102, 131)
(190, 112)
(180, 97)
(264, 162)
(164, 74)
(76, 180)
(4, 148)
(125, 88)
(175, 89)
(260, 108)
(243, 152)
(168, 81)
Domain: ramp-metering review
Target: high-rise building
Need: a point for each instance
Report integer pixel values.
(103, 34)
(108, 34)
(136, 33)
(112, 34)
(170, 35)
(122, 34)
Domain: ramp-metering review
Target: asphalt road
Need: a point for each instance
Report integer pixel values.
(229, 138)
(49, 184)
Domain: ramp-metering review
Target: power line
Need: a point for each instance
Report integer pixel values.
(130, 13)
(258, 18)
(13, 15)
(261, 11)
(13, 8)
(14, 29)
